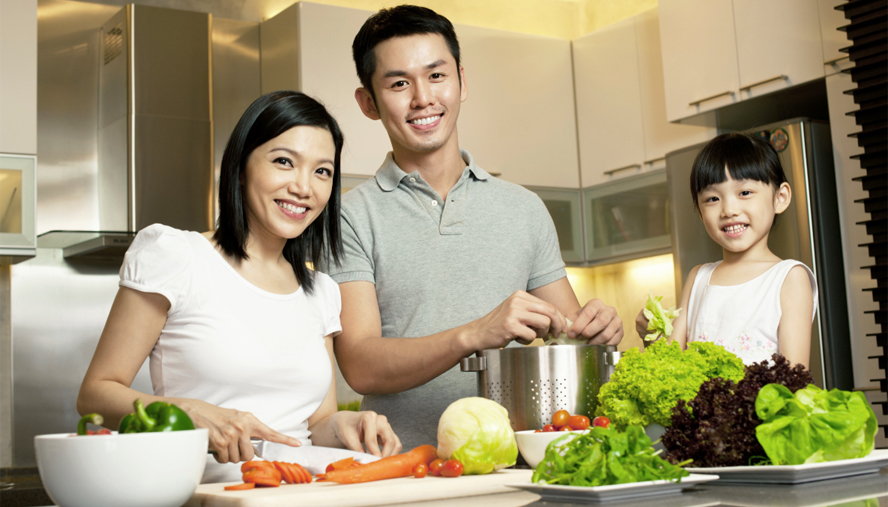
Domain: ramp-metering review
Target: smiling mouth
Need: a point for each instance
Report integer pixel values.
(426, 121)
(290, 207)
(735, 229)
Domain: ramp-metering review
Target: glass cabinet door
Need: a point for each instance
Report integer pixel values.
(17, 203)
(628, 218)
(564, 207)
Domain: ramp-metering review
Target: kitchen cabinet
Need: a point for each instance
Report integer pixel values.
(621, 104)
(720, 52)
(627, 219)
(518, 121)
(565, 209)
(18, 206)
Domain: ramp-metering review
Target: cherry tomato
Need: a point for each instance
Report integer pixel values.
(452, 468)
(547, 428)
(601, 422)
(560, 418)
(420, 470)
(435, 467)
(578, 422)
(566, 427)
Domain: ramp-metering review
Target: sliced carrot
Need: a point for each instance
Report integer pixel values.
(249, 465)
(391, 467)
(264, 476)
(339, 465)
(239, 487)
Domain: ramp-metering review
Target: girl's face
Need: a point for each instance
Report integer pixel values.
(288, 181)
(738, 214)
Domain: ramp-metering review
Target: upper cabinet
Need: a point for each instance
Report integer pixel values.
(834, 39)
(621, 104)
(719, 52)
(518, 120)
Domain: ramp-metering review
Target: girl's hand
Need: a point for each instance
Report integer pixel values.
(230, 430)
(641, 324)
(352, 428)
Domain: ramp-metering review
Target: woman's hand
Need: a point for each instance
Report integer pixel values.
(230, 430)
(352, 428)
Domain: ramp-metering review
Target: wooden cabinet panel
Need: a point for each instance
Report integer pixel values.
(833, 38)
(699, 56)
(609, 109)
(778, 44)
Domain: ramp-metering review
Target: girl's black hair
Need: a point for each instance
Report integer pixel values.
(268, 117)
(743, 156)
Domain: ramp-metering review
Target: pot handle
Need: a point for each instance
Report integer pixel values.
(473, 364)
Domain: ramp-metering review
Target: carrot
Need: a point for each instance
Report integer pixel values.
(239, 487)
(386, 468)
(263, 476)
(293, 473)
(249, 465)
(339, 465)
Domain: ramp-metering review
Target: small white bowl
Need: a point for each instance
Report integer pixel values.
(134, 469)
(532, 445)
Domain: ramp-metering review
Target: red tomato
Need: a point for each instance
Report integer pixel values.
(601, 422)
(435, 467)
(578, 422)
(566, 427)
(547, 428)
(560, 418)
(452, 468)
(420, 470)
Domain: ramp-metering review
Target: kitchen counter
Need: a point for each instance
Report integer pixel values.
(865, 491)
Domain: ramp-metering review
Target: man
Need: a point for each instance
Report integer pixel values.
(441, 259)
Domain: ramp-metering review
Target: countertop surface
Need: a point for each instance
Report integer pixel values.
(868, 490)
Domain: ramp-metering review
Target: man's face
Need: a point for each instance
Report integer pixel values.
(418, 90)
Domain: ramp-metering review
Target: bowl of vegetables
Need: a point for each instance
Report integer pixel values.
(532, 444)
(158, 463)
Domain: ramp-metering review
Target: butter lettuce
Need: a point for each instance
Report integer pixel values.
(645, 386)
(477, 432)
(813, 425)
(659, 319)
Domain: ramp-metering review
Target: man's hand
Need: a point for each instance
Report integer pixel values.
(598, 323)
(521, 317)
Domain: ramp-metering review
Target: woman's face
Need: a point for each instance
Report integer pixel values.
(287, 182)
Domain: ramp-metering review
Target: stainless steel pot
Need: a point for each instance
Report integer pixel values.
(532, 383)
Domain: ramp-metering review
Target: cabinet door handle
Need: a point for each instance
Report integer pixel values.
(763, 81)
(651, 161)
(835, 60)
(630, 166)
(717, 95)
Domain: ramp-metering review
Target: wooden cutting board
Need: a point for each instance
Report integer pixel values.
(387, 492)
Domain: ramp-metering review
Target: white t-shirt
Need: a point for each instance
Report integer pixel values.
(230, 343)
(741, 318)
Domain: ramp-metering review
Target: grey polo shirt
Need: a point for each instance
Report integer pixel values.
(437, 265)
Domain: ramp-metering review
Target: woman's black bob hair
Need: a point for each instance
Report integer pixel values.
(268, 117)
(743, 156)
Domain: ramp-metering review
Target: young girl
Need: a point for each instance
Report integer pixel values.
(752, 303)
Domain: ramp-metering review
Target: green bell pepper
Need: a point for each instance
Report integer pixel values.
(156, 417)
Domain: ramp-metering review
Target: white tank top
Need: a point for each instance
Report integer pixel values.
(741, 318)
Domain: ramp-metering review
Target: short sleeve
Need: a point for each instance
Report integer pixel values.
(356, 263)
(330, 303)
(548, 266)
(159, 260)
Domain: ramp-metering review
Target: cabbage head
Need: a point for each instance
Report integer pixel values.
(477, 432)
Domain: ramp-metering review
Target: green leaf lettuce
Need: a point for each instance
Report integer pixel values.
(813, 425)
(659, 319)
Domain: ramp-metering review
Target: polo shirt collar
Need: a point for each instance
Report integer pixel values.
(389, 175)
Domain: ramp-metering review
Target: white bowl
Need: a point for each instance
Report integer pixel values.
(133, 469)
(532, 445)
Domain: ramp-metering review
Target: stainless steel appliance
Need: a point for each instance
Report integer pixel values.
(534, 382)
(808, 231)
(153, 138)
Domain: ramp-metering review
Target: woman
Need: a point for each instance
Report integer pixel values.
(238, 329)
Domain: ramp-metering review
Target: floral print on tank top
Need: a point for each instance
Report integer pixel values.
(741, 346)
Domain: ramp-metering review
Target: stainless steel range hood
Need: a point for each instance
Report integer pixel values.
(155, 132)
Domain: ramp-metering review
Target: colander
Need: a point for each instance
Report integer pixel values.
(532, 383)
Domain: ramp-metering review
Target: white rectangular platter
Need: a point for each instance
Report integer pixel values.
(798, 474)
(615, 492)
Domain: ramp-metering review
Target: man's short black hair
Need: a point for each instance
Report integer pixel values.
(400, 21)
(268, 117)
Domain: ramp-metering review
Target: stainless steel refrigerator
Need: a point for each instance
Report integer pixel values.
(808, 231)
